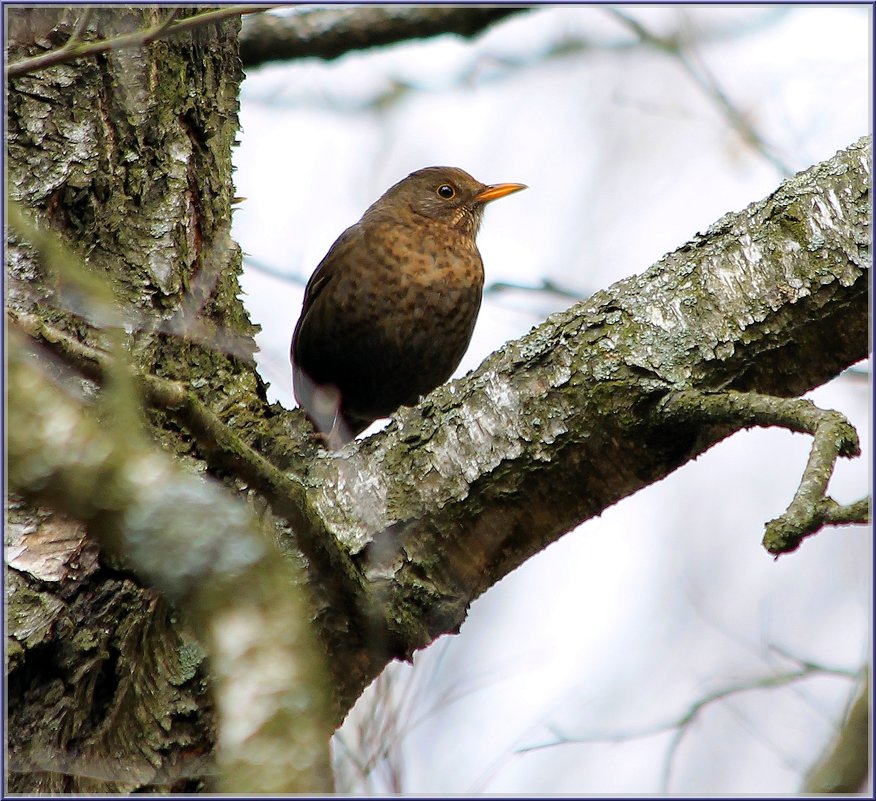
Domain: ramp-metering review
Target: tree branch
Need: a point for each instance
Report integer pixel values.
(560, 424)
(330, 33)
(488, 470)
(833, 436)
(75, 49)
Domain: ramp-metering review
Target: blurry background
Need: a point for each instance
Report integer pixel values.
(634, 129)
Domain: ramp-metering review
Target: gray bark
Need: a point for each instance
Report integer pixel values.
(126, 160)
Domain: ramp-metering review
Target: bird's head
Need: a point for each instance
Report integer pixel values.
(444, 194)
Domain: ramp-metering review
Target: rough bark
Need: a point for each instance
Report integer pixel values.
(127, 158)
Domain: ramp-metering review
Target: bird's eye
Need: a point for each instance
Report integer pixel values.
(446, 191)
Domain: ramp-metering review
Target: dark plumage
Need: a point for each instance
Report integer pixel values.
(389, 312)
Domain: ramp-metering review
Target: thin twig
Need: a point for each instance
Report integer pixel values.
(163, 30)
(546, 286)
(696, 68)
(252, 263)
(174, 13)
(681, 724)
(79, 29)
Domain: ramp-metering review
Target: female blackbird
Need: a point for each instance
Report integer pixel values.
(389, 311)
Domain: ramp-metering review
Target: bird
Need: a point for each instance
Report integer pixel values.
(389, 311)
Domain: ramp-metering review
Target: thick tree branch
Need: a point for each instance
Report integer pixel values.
(558, 425)
(330, 33)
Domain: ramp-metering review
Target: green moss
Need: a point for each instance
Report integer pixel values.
(30, 613)
(191, 657)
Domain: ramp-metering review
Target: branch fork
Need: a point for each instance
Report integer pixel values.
(832, 436)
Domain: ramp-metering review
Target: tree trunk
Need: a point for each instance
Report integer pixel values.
(127, 157)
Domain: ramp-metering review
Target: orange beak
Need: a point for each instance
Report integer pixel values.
(497, 190)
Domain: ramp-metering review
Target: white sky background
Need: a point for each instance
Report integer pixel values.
(668, 596)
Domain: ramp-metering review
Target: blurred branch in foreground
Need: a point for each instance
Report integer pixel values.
(190, 538)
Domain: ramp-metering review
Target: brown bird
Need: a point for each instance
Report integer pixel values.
(389, 312)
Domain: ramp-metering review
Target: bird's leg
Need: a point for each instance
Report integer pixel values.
(325, 414)
(339, 435)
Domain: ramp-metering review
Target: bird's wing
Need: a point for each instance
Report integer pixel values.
(326, 273)
(329, 266)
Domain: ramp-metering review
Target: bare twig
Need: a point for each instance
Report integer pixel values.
(162, 27)
(546, 286)
(163, 30)
(79, 29)
(833, 436)
(682, 724)
(484, 68)
(252, 263)
(402, 700)
(852, 514)
(696, 68)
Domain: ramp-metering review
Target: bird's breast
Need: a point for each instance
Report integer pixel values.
(412, 292)
(427, 256)
(394, 319)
